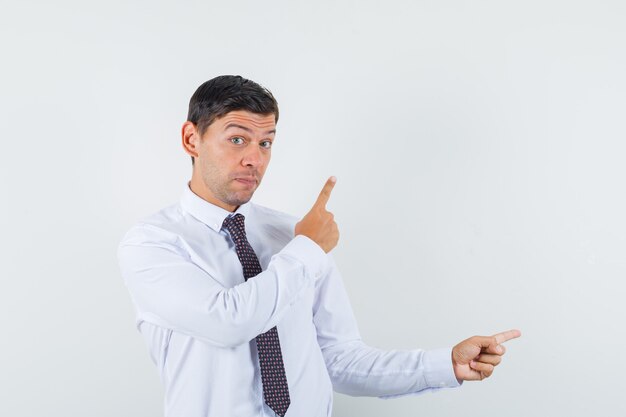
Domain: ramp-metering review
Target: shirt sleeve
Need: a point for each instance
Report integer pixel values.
(171, 291)
(360, 370)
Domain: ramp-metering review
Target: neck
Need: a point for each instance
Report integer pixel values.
(201, 190)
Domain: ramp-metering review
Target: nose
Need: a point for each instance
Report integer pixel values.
(252, 156)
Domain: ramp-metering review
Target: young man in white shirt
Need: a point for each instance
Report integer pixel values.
(278, 338)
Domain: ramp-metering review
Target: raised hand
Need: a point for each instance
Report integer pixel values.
(319, 224)
(474, 359)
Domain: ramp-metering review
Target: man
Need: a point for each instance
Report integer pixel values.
(242, 307)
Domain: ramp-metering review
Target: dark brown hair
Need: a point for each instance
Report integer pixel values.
(221, 95)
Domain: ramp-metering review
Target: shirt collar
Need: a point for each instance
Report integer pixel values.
(208, 213)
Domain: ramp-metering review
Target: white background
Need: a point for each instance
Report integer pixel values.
(478, 145)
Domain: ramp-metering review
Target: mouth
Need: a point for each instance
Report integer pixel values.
(248, 181)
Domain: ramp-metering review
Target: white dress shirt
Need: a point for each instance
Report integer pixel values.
(199, 317)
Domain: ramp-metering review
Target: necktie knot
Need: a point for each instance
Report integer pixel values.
(235, 225)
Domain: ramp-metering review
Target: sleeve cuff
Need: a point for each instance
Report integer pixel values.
(438, 370)
(438, 373)
(309, 253)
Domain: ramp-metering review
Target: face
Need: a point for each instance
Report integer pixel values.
(231, 156)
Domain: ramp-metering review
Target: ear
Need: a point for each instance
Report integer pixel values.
(191, 139)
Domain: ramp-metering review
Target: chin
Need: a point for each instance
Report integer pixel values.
(239, 199)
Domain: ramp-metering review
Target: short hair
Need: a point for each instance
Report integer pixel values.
(221, 95)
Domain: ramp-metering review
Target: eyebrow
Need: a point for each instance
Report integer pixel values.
(230, 125)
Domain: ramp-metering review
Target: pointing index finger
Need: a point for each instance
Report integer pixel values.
(324, 196)
(508, 335)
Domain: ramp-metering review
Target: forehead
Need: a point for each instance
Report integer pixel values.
(248, 119)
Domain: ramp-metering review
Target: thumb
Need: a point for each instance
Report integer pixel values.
(490, 344)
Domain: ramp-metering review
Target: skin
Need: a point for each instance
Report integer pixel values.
(319, 224)
(233, 149)
(230, 161)
(474, 359)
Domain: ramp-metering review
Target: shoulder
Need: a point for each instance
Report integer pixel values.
(273, 221)
(161, 226)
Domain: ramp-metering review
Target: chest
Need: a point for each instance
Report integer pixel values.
(215, 254)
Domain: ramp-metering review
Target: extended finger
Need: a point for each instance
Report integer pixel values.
(508, 335)
(485, 369)
(322, 199)
(487, 358)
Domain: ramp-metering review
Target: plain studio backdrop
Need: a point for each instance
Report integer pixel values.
(479, 148)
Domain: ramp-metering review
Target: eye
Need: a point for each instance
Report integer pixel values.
(266, 144)
(237, 140)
